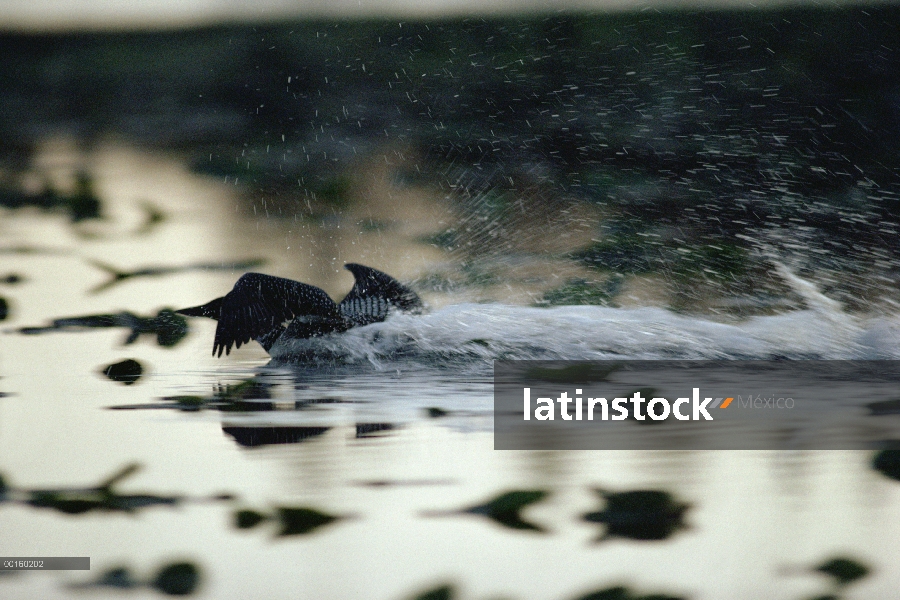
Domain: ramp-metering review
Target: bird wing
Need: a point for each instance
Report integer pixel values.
(374, 294)
(259, 304)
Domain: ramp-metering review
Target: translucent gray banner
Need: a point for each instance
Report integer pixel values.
(45, 563)
(696, 405)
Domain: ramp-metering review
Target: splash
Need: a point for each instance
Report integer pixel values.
(485, 332)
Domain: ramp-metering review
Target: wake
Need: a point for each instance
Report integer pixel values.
(466, 333)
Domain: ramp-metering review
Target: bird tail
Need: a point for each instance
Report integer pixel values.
(210, 310)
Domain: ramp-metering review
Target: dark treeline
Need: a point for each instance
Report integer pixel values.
(702, 130)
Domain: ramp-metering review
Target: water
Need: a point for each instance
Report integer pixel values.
(639, 186)
(391, 433)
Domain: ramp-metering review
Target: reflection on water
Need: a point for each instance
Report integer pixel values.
(168, 327)
(362, 464)
(102, 498)
(392, 427)
(290, 520)
(639, 515)
(506, 509)
(263, 436)
(176, 579)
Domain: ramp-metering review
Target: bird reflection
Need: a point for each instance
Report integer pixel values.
(249, 395)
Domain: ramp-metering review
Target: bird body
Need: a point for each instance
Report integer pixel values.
(265, 308)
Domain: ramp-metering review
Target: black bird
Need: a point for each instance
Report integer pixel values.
(263, 308)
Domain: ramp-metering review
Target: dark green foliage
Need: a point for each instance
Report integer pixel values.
(628, 254)
(84, 203)
(722, 261)
(579, 291)
(81, 205)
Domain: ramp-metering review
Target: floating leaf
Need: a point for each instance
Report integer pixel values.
(117, 577)
(623, 593)
(505, 509)
(300, 521)
(639, 514)
(170, 328)
(445, 592)
(128, 371)
(843, 570)
(247, 519)
(887, 462)
(177, 579)
(613, 593)
(12, 279)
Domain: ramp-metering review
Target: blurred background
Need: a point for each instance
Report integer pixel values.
(555, 179)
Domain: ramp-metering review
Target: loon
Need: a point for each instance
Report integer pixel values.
(265, 308)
